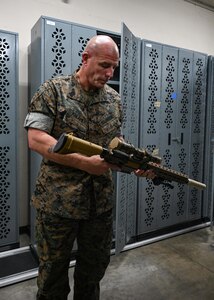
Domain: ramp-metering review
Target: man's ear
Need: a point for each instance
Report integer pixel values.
(85, 57)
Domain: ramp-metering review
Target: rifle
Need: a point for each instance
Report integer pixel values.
(126, 156)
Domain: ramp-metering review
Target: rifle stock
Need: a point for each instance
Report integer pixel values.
(127, 157)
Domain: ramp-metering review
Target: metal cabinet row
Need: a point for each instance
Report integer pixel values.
(165, 99)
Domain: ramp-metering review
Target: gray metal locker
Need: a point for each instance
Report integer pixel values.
(197, 147)
(172, 123)
(149, 129)
(209, 144)
(9, 218)
(126, 187)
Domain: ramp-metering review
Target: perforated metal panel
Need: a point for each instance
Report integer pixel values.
(57, 48)
(167, 130)
(80, 37)
(149, 124)
(9, 225)
(172, 124)
(209, 144)
(197, 132)
(183, 133)
(129, 90)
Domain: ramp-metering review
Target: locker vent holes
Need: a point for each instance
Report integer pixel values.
(198, 96)
(4, 46)
(4, 161)
(153, 91)
(133, 89)
(180, 203)
(4, 196)
(182, 158)
(125, 91)
(82, 42)
(150, 199)
(149, 210)
(196, 162)
(166, 158)
(170, 89)
(166, 204)
(185, 92)
(58, 63)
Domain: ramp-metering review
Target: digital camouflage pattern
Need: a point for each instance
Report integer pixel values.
(94, 116)
(55, 238)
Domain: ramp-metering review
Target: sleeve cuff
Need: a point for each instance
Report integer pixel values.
(38, 121)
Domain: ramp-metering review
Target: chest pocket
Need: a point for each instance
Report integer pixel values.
(104, 124)
(97, 122)
(72, 118)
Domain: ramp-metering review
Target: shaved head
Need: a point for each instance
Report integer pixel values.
(100, 42)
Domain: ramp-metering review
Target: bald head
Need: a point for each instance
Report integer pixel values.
(100, 43)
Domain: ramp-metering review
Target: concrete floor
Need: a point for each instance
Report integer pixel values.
(179, 268)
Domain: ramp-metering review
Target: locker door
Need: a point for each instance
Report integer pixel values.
(167, 125)
(182, 138)
(209, 143)
(197, 133)
(80, 36)
(57, 48)
(172, 123)
(149, 135)
(126, 186)
(9, 233)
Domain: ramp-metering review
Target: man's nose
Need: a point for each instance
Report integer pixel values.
(110, 72)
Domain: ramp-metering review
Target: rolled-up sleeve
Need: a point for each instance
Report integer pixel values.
(38, 121)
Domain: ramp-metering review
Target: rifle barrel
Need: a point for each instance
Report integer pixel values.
(196, 184)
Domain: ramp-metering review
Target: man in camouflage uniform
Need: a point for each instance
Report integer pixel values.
(73, 194)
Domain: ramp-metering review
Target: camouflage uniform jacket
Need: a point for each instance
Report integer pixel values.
(61, 105)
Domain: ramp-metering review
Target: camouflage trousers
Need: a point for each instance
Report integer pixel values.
(55, 239)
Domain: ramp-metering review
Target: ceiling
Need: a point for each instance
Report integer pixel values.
(208, 4)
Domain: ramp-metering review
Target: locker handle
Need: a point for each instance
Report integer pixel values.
(182, 138)
(169, 139)
(179, 140)
(176, 139)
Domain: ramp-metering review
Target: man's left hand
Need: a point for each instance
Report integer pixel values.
(145, 173)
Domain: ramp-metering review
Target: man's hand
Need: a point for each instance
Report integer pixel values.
(97, 166)
(145, 173)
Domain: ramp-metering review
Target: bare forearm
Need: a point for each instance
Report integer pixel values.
(41, 142)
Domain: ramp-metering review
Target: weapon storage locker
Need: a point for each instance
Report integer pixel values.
(209, 143)
(163, 91)
(173, 123)
(169, 110)
(126, 184)
(9, 224)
